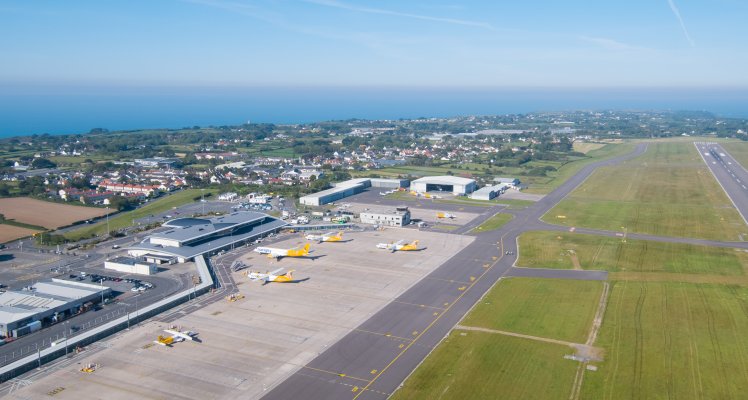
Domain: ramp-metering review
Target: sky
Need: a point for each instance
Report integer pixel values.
(362, 43)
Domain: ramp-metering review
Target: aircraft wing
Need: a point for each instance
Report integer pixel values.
(400, 243)
(178, 334)
(275, 272)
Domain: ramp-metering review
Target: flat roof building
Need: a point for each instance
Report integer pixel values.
(508, 181)
(453, 184)
(348, 188)
(400, 216)
(131, 265)
(489, 192)
(190, 237)
(26, 311)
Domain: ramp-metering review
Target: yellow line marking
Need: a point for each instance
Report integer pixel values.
(401, 346)
(389, 335)
(445, 280)
(419, 305)
(336, 374)
(355, 389)
(373, 371)
(431, 324)
(415, 333)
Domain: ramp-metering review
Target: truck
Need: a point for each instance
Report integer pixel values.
(303, 219)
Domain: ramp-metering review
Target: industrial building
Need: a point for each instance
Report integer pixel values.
(513, 182)
(131, 265)
(398, 217)
(348, 188)
(489, 192)
(26, 311)
(190, 237)
(454, 184)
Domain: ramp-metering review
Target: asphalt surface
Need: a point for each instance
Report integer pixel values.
(729, 173)
(372, 361)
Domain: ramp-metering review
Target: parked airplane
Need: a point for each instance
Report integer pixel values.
(176, 337)
(441, 215)
(399, 246)
(271, 276)
(278, 253)
(327, 237)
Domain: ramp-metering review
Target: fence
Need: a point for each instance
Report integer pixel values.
(45, 355)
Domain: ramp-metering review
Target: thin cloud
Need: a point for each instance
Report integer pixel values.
(350, 7)
(680, 20)
(611, 44)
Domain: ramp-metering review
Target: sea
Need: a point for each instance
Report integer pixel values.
(64, 109)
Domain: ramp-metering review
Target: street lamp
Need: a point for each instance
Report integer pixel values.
(202, 199)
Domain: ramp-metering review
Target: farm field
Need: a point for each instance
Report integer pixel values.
(10, 232)
(550, 308)
(125, 219)
(668, 191)
(494, 223)
(47, 214)
(672, 340)
(542, 249)
(478, 365)
(586, 147)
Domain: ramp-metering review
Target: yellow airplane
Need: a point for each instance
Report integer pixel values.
(279, 253)
(176, 336)
(442, 215)
(327, 237)
(399, 246)
(271, 276)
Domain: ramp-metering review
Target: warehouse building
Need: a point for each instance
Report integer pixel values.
(26, 311)
(513, 182)
(400, 216)
(454, 184)
(349, 188)
(190, 237)
(489, 192)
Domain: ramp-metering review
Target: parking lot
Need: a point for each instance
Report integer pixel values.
(254, 343)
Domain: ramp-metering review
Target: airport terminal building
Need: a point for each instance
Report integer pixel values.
(454, 184)
(400, 216)
(186, 238)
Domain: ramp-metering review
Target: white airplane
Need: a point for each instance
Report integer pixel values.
(278, 253)
(327, 237)
(175, 337)
(399, 246)
(271, 276)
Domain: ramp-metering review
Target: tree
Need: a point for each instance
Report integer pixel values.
(42, 163)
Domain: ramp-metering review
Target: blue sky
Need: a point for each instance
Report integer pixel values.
(571, 43)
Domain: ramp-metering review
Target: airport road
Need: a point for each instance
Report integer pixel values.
(373, 360)
(729, 173)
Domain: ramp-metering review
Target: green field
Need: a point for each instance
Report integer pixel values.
(487, 366)
(739, 150)
(557, 249)
(125, 219)
(672, 341)
(668, 191)
(550, 308)
(494, 223)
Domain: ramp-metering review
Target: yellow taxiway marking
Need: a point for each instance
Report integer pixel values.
(420, 305)
(486, 265)
(415, 333)
(355, 389)
(342, 375)
(383, 370)
(401, 346)
(374, 371)
(462, 288)
(472, 279)
(436, 313)
(445, 280)
(389, 335)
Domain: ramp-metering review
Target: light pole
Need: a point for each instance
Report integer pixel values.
(202, 199)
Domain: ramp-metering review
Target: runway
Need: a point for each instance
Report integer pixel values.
(729, 173)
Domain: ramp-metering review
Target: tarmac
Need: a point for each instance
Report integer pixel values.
(253, 344)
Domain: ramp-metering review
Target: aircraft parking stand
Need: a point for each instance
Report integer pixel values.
(252, 345)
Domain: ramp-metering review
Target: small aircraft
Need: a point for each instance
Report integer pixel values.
(271, 276)
(176, 337)
(279, 253)
(399, 246)
(442, 215)
(327, 237)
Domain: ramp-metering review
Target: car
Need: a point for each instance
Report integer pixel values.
(116, 246)
(134, 289)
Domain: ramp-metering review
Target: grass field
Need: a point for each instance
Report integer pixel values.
(487, 366)
(739, 150)
(10, 232)
(586, 147)
(44, 213)
(672, 341)
(668, 191)
(494, 223)
(558, 250)
(125, 219)
(550, 308)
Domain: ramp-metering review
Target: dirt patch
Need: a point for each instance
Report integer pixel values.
(46, 214)
(575, 260)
